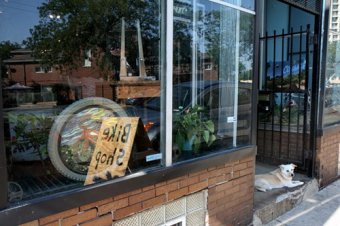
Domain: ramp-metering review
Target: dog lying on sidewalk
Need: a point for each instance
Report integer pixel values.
(282, 177)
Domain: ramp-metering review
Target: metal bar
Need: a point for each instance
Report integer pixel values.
(290, 87)
(266, 60)
(314, 103)
(272, 94)
(284, 35)
(281, 102)
(306, 96)
(299, 101)
(265, 88)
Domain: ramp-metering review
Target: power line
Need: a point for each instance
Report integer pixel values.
(15, 8)
(20, 3)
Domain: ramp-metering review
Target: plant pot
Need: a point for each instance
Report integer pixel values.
(187, 146)
(187, 151)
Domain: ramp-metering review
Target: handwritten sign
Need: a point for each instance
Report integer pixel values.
(113, 149)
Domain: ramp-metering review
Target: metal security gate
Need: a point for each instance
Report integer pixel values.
(284, 107)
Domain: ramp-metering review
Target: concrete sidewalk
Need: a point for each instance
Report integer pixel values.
(322, 208)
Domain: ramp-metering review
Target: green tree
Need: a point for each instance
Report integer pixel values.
(69, 27)
(5, 53)
(331, 53)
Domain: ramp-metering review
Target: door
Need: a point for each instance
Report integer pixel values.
(284, 106)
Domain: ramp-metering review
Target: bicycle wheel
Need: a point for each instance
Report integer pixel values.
(74, 132)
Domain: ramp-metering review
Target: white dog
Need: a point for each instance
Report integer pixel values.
(279, 178)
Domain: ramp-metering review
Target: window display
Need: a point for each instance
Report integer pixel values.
(213, 63)
(95, 111)
(54, 120)
(332, 83)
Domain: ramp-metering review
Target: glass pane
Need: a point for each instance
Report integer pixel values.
(81, 92)
(332, 89)
(213, 62)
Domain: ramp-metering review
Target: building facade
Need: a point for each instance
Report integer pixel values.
(165, 120)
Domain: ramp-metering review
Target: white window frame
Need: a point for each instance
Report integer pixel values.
(41, 69)
(181, 219)
(167, 121)
(87, 60)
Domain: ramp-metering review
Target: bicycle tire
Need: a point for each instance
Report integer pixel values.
(60, 123)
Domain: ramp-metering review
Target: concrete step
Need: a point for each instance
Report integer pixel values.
(272, 204)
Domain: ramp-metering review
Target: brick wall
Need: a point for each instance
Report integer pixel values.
(280, 145)
(327, 156)
(230, 198)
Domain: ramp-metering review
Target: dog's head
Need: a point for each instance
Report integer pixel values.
(288, 170)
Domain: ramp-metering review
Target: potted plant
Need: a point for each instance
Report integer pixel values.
(191, 130)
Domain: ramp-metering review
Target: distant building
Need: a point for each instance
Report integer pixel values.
(26, 70)
(334, 23)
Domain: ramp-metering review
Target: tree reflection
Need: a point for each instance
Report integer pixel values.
(80, 25)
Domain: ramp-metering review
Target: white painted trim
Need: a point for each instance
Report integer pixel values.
(237, 59)
(233, 6)
(169, 81)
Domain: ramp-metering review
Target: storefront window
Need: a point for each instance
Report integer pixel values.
(332, 76)
(212, 74)
(89, 113)
(332, 89)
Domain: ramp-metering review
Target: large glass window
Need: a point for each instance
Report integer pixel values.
(93, 112)
(332, 88)
(332, 76)
(71, 123)
(212, 73)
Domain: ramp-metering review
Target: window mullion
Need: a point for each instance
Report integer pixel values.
(167, 120)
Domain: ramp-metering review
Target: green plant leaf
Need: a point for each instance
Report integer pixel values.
(206, 136)
(210, 126)
(211, 139)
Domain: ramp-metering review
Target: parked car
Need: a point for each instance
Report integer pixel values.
(209, 95)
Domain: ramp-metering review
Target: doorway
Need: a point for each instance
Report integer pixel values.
(286, 85)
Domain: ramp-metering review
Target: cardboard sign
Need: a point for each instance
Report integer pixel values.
(113, 148)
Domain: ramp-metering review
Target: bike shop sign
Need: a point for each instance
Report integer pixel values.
(113, 149)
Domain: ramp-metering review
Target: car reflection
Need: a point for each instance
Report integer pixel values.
(216, 97)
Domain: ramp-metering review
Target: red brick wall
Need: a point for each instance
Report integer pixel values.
(230, 198)
(327, 156)
(289, 144)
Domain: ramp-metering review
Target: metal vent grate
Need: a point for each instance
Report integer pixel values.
(153, 217)
(175, 209)
(131, 221)
(309, 5)
(196, 218)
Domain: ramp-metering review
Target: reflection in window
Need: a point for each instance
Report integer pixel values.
(96, 116)
(42, 69)
(332, 89)
(212, 74)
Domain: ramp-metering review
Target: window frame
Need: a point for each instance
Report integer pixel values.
(42, 69)
(40, 207)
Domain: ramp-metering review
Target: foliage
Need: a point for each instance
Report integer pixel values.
(80, 25)
(189, 125)
(5, 53)
(331, 53)
(31, 131)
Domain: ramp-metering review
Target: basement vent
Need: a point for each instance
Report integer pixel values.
(187, 211)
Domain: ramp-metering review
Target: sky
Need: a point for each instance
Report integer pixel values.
(17, 17)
